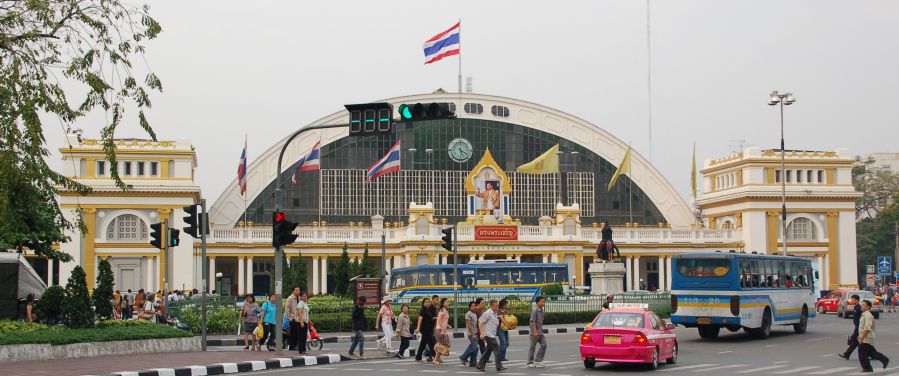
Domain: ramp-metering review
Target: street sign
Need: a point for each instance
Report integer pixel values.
(884, 265)
(869, 280)
(870, 269)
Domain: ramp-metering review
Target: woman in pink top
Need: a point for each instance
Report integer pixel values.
(385, 321)
(442, 336)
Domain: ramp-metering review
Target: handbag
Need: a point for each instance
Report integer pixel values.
(508, 322)
(441, 349)
(259, 331)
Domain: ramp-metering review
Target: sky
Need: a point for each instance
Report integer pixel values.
(262, 69)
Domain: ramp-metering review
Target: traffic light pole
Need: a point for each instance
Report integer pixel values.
(165, 271)
(455, 275)
(203, 291)
(279, 254)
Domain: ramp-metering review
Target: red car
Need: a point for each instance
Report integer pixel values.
(628, 333)
(831, 302)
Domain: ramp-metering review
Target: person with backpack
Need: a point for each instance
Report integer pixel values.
(359, 324)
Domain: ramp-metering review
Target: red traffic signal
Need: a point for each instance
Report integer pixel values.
(282, 230)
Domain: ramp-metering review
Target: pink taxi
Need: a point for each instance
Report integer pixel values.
(628, 333)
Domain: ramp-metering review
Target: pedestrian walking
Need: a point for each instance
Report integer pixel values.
(866, 350)
(385, 321)
(290, 312)
(470, 356)
(488, 324)
(303, 320)
(853, 338)
(268, 324)
(425, 327)
(537, 336)
(250, 315)
(507, 322)
(403, 331)
(359, 324)
(441, 337)
(481, 306)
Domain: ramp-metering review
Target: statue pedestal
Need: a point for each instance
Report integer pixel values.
(606, 278)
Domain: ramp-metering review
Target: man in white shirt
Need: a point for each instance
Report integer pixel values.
(488, 324)
(303, 320)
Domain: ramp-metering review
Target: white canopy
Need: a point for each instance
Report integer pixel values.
(22, 275)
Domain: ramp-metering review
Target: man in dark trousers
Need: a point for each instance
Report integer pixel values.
(853, 338)
(866, 350)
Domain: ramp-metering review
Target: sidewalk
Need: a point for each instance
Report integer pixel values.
(179, 363)
(345, 337)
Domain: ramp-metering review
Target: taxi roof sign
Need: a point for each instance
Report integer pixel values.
(629, 305)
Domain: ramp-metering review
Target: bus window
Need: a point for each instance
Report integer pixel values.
(446, 276)
(428, 277)
(502, 276)
(745, 275)
(555, 275)
(534, 276)
(515, 277)
(398, 279)
(756, 276)
(703, 267)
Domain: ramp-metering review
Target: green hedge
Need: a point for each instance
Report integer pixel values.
(17, 332)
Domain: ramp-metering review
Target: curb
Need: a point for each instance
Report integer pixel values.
(347, 339)
(250, 366)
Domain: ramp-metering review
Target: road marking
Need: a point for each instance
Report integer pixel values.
(554, 374)
(782, 362)
(771, 345)
(721, 367)
(818, 339)
(828, 355)
(432, 371)
(759, 369)
(832, 370)
(725, 352)
(667, 369)
(395, 369)
(794, 370)
(354, 369)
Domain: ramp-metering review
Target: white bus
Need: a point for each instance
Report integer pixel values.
(745, 291)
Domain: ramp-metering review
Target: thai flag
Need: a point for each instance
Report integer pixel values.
(309, 162)
(447, 43)
(242, 170)
(388, 164)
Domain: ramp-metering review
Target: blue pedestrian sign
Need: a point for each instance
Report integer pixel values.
(884, 265)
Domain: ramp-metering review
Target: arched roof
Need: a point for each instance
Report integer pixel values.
(228, 208)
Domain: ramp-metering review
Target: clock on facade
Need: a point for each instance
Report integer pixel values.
(459, 150)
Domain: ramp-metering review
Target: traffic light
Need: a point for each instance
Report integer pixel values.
(191, 221)
(426, 111)
(370, 118)
(447, 238)
(174, 237)
(156, 235)
(282, 230)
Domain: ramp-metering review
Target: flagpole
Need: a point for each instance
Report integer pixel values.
(630, 192)
(460, 59)
(245, 173)
(319, 179)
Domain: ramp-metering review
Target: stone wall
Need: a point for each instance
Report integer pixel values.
(29, 352)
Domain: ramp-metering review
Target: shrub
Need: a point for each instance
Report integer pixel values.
(77, 303)
(49, 307)
(103, 293)
(21, 333)
(554, 289)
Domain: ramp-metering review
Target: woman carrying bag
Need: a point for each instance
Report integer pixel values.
(507, 322)
(403, 330)
(443, 339)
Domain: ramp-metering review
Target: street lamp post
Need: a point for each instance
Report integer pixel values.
(218, 282)
(784, 99)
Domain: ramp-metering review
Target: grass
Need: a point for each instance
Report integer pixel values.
(15, 333)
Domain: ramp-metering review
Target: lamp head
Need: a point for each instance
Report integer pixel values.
(789, 99)
(773, 98)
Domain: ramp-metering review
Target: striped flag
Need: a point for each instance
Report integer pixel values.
(242, 170)
(389, 163)
(447, 43)
(309, 162)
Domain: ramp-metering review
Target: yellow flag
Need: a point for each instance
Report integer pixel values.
(693, 173)
(546, 163)
(623, 168)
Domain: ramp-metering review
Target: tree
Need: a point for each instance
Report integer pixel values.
(293, 275)
(342, 273)
(367, 267)
(49, 306)
(879, 188)
(103, 293)
(876, 237)
(77, 304)
(89, 44)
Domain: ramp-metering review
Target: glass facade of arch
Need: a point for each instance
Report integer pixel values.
(343, 163)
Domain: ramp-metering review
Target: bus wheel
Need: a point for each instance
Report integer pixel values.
(803, 322)
(765, 331)
(708, 331)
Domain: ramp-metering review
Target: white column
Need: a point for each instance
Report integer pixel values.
(398, 262)
(668, 272)
(823, 271)
(212, 281)
(629, 275)
(324, 287)
(408, 259)
(49, 272)
(554, 258)
(661, 268)
(636, 272)
(545, 259)
(249, 275)
(315, 277)
(149, 274)
(241, 275)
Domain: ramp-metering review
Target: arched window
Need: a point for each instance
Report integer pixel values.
(801, 229)
(727, 225)
(127, 227)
